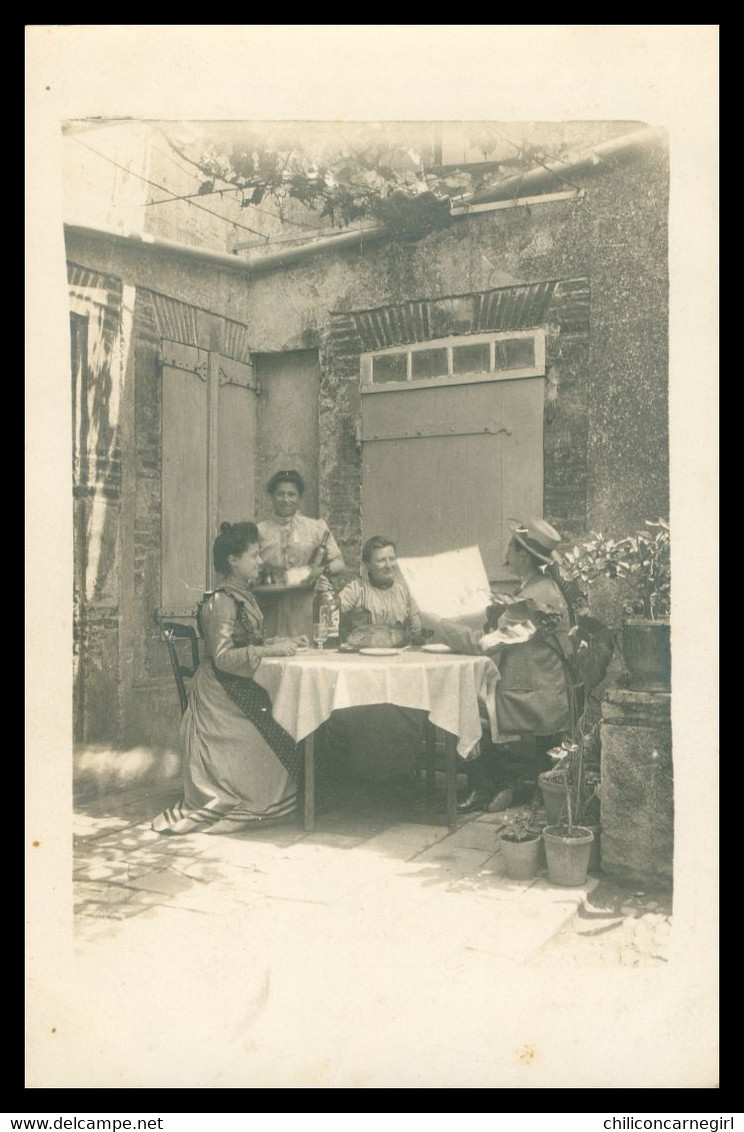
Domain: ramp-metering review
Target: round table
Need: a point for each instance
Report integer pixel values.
(305, 689)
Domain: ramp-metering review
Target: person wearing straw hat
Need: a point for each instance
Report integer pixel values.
(532, 697)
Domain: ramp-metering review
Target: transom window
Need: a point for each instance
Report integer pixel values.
(455, 361)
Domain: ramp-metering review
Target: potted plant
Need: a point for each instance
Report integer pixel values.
(585, 666)
(568, 845)
(520, 845)
(572, 788)
(640, 563)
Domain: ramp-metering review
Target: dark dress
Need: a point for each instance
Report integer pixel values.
(240, 767)
(532, 694)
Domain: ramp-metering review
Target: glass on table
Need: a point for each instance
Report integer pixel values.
(320, 633)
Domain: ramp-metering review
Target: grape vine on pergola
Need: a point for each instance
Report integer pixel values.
(380, 173)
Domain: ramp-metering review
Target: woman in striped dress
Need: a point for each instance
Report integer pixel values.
(382, 740)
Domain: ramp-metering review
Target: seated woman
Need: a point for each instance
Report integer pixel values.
(383, 598)
(528, 646)
(381, 740)
(241, 768)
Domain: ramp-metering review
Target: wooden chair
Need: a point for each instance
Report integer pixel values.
(171, 633)
(440, 753)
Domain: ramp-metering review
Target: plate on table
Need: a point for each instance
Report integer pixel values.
(380, 652)
(436, 648)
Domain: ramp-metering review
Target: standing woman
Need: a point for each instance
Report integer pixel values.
(240, 767)
(289, 540)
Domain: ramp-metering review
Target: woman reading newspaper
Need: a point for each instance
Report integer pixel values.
(532, 697)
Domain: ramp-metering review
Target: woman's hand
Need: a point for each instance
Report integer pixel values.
(302, 642)
(279, 646)
(323, 585)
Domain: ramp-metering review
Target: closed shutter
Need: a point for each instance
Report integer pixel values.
(184, 501)
(208, 441)
(235, 442)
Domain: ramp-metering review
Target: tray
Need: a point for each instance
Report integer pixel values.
(283, 589)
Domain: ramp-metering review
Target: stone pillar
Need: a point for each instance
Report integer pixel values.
(637, 787)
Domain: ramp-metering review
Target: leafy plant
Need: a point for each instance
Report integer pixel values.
(640, 562)
(521, 827)
(581, 786)
(349, 172)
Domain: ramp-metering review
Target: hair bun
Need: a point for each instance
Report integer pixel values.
(225, 527)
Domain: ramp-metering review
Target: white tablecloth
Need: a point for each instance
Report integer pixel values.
(305, 689)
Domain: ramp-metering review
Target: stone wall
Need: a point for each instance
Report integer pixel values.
(600, 259)
(637, 801)
(125, 694)
(606, 397)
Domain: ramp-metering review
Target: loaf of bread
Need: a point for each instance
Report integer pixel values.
(377, 637)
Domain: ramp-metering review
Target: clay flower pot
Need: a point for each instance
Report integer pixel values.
(567, 851)
(554, 797)
(521, 857)
(647, 655)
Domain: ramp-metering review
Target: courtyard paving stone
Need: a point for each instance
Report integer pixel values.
(373, 925)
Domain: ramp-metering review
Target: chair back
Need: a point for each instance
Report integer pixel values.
(172, 632)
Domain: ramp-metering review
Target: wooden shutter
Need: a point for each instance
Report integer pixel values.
(235, 442)
(208, 448)
(184, 485)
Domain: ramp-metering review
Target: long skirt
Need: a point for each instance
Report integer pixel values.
(231, 776)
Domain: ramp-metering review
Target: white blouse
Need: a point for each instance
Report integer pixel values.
(292, 542)
(393, 605)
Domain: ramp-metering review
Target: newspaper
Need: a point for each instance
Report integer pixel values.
(452, 585)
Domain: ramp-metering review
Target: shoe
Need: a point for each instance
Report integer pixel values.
(501, 801)
(524, 790)
(476, 800)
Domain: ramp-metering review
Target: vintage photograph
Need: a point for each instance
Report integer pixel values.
(372, 599)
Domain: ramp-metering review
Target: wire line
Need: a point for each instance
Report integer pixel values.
(164, 189)
(233, 185)
(520, 149)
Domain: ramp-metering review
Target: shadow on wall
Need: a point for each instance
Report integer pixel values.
(100, 770)
(101, 314)
(98, 435)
